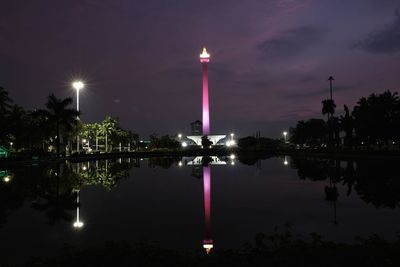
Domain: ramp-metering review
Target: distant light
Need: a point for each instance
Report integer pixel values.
(232, 156)
(285, 133)
(84, 168)
(232, 134)
(11, 143)
(179, 136)
(180, 164)
(84, 140)
(184, 144)
(232, 163)
(78, 85)
(7, 178)
(78, 224)
(286, 162)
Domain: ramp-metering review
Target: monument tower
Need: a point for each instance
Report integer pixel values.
(204, 59)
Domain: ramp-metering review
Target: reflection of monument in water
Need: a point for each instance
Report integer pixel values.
(206, 162)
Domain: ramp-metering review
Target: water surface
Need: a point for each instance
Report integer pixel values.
(185, 203)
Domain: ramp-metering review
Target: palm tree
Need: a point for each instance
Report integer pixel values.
(347, 124)
(107, 127)
(328, 108)
(64, 119)
(5, 101)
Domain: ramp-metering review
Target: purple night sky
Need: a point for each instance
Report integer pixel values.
(270, 59)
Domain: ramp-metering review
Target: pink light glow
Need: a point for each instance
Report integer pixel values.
(204, 59)
(207, 205)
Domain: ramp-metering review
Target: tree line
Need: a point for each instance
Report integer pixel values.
(56, 128)
(374, 121)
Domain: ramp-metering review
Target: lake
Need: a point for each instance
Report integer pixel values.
(193, 203)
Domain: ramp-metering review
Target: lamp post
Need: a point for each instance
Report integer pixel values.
(284, 136)
(78, 85)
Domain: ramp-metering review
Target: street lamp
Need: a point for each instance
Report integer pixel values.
(284, 135)
(232, 134)
(11, 144)
(180, 136)
(77, 85)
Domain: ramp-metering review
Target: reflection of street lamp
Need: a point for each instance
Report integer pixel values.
(284, 135)
(78, 85)
(77, 224)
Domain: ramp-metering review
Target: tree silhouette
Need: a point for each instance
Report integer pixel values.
(5, 101)
(64, 119)
(377, 118)
(347, 125)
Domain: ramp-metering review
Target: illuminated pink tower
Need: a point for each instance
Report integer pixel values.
(204, 59)
(207, 242)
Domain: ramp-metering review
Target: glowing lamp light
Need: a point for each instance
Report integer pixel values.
(180, 164)
(7, 178)
(204, 54)
(78, 85)
(184, 144)
(78, 224)
(285, 162)
(232, 156)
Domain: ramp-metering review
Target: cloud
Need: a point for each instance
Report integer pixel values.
(385, 41)
(292, 42)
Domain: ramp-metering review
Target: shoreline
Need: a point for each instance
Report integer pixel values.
(337, 154)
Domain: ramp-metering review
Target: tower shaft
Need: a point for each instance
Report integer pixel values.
(206, 105)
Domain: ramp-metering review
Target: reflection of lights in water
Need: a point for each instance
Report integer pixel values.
(208, 247)
(77, 224)
(180, 163)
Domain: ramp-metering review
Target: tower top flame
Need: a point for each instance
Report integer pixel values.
(204, 54)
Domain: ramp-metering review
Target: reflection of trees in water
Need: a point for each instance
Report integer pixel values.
(375, 181)
(51, 188)
(106, 173)
(54, 194)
